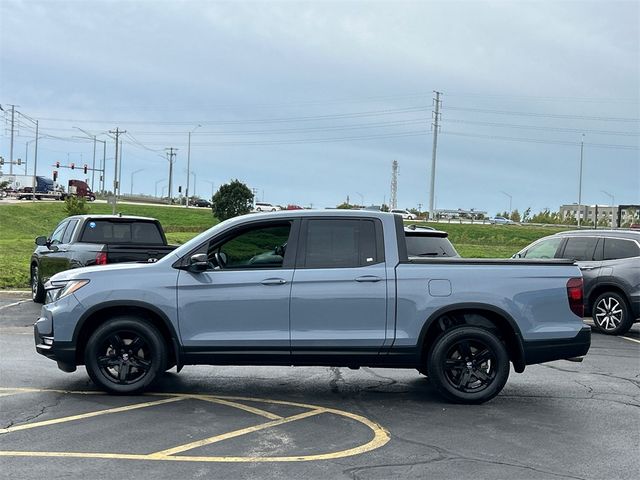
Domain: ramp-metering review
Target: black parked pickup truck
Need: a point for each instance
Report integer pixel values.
(85, 240)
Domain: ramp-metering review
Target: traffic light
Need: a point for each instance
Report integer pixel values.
(1, 160)
(73, 166)
(57, 164)
(19, 161)
(85, 169)
(179, 188)
(55, 175)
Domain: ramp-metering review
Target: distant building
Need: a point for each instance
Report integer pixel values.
(461, 213)
(597, 213)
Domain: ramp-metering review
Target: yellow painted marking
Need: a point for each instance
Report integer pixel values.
(632, 339)
(240, 406)
(82, 416)
(235, 433)
(53, 390)
(380, 435)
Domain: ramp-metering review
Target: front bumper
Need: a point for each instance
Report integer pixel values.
(64, 353)
(540, 351)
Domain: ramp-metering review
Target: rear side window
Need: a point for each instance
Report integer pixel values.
(425, 246)
(580, 248)
(105, 231)
(340, 244)
(615, 248)
(69, 231)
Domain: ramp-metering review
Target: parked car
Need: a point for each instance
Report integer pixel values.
(610, 264)
(85, 240)
(265, 207)
(300, 287)
(501, 221)
(406, 214)
(293, 207)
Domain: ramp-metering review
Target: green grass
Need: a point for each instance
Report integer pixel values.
(21, 223)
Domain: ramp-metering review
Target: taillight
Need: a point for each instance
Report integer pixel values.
(101, 258)
(575, 295)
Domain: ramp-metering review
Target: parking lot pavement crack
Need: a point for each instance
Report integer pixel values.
(444, 455)
(36, 415)
(608, 375)
(385, 381)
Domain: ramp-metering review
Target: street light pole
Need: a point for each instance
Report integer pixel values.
(132, 174)
(510, 201)
(35, 166)
(186, 204)
(212, 187)
(580, 181)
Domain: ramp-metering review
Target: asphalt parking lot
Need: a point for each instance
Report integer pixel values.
(557, 420)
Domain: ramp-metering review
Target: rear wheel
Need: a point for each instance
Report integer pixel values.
(37, 289)
(611, 314)
(125, 355)
(468, 365)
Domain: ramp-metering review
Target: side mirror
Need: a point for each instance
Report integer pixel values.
(41, 241)
(198, 263)
(516, 255)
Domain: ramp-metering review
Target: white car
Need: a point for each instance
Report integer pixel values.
(265, 207)
(406, 214)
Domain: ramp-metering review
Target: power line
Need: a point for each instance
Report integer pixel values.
(545, 115)
(543, 128)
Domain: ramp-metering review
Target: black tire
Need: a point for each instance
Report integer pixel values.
(611, 314)
(125, 355)
(468, 365)
(37, 289)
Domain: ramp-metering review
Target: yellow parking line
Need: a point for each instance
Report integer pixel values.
(632, 339)
(82, 416)
(240, 406)
(235, 433)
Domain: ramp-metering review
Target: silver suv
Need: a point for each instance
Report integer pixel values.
(610, 264)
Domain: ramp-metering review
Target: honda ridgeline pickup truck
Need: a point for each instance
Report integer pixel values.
(85, 240)
(328, 288)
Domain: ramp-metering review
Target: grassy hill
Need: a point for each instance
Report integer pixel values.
(21, 223)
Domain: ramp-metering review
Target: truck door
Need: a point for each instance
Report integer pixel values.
(339, 291)
(240, 308)
(54, 259)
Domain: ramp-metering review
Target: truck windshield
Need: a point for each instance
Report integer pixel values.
(106, 231)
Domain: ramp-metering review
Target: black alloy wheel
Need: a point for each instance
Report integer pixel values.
(611, 314)
(468, 365)
(124, 355)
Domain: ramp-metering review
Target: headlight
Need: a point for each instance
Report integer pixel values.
(60, 289)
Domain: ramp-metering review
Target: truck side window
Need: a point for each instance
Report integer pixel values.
(259, 247)
(69, 231)
(581, 249)
(58, 233)
(340, 244)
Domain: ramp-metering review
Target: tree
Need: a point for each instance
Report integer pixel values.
(526, 216)
(515, 215)
(74, 205)
(232, 199)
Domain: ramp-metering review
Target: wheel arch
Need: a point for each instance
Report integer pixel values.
(470, 314)
(99, 314)
(603, 288)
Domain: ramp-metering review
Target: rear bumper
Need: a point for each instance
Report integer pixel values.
(540, 351)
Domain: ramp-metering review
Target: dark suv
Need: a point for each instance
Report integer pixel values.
(610, 264)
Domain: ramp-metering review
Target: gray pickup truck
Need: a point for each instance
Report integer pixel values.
(334, 288)
(85, 240)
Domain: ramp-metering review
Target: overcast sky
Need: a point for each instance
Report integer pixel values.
(311, 102)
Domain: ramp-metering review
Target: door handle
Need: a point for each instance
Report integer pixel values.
(368, 278)
(273, 281)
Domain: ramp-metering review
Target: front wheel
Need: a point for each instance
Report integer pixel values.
(468, 365)
(611, 314)
(125, 355)
(37, 289)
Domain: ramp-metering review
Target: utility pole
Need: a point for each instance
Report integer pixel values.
(170, 157)
(120, 170)
(104, 162)
(93, 166)
(117, 133)
(35, 167)
(580, 181)
(394, 185)
(13, 113)
(436, 127)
